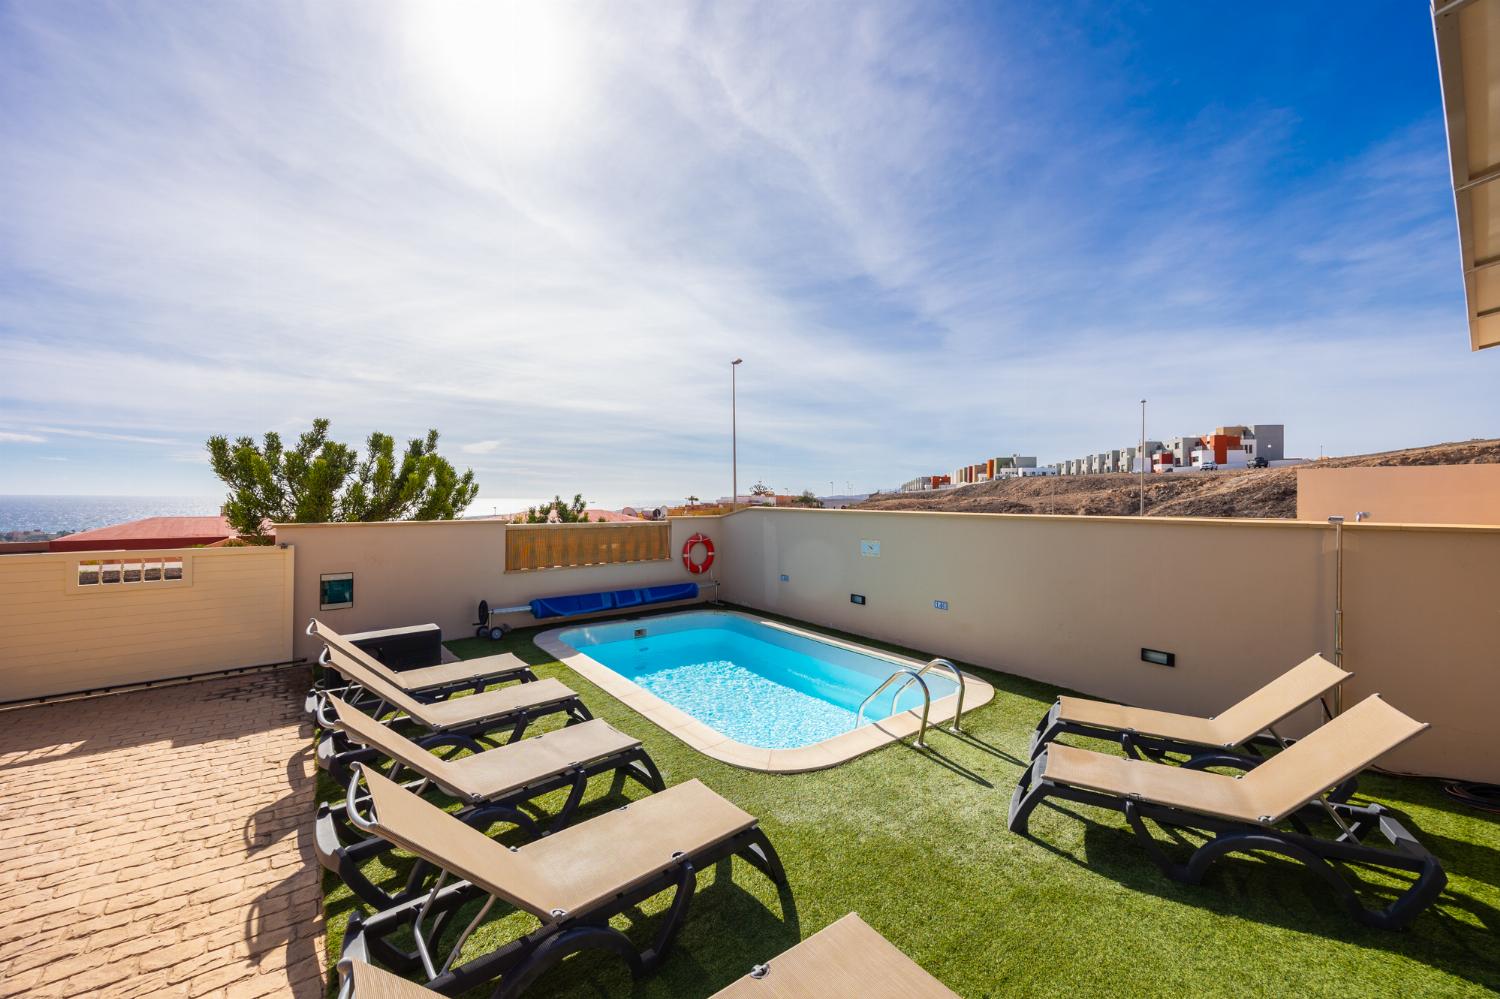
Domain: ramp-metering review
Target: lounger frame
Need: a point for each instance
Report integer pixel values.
(1155, 749)
(520, 962)
(1145, 747)
(337, 755)
(316, 702)
(1320, 854)
(333, 682)
(333, 823)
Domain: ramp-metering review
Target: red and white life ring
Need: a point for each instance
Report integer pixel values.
(708, 554)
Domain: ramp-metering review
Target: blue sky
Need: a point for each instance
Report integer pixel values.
(935, 233)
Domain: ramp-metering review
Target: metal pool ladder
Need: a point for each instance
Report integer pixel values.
(915, 676)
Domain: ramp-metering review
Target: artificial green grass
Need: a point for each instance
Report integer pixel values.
(916, 843)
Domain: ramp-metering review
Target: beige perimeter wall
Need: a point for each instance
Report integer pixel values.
(437, 572)
(1407, 494)
(1073, 600)
(232, 608)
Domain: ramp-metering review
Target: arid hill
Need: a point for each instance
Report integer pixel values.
(1265, 492)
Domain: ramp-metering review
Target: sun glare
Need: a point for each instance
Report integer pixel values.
(510, 68)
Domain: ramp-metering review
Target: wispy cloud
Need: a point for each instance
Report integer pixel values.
(545, 229)
(100, 435)
(10, 437)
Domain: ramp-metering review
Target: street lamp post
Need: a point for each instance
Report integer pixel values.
(734, 436)
(1142, 454)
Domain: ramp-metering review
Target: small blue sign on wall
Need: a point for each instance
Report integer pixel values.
(869, 549)
(940, 605)
(335, 590)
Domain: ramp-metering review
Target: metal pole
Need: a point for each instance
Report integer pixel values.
(734, 435)
(1141, 454)
(1338, 607)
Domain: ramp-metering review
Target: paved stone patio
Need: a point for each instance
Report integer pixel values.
(159, 843)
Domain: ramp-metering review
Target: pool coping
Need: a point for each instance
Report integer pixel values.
(715, 745)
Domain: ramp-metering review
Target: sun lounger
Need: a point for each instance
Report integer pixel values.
(573, 882)
(491, 785)
(1250, 812)
(1151, 734)
(428, 683)
(846, 960)
(481, 714)
(359, 980)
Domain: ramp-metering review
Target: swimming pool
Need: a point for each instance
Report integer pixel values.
(752, 686)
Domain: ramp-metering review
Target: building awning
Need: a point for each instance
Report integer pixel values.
(1468, 51)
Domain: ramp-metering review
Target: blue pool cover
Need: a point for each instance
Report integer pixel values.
(593, 603)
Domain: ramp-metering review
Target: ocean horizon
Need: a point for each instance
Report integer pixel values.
(84, 513)
(54, 513)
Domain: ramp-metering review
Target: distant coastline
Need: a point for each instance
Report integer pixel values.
(51, 514)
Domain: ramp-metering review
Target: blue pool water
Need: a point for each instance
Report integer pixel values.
(754, 682)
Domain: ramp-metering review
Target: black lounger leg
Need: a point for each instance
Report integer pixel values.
(687, 883)
(1046, 730)
(575, 797)
(1028, 794)
(761, 855)
(556, 948)
(642, 767)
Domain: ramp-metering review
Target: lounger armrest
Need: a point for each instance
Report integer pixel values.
(1392, 829)
(355, 947)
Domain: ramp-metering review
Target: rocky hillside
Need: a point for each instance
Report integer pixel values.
(1266, 492)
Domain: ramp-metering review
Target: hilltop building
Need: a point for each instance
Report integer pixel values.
(924, 483)
(1233, 446)
(995, 468)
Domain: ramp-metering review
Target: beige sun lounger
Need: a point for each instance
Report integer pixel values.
(513, 707)
(1247, 812)
(494, 773)
(426, 682)
(492, 784)
(846, 960)
(456, 712)
(1141, 730)
(573, 881)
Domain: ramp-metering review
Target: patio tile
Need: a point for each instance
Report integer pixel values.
(166, 843)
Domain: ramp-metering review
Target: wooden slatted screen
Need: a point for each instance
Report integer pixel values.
(555, 546)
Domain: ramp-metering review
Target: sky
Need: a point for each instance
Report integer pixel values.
(934, 232)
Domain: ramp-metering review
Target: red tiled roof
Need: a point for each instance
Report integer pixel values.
(609, 516)
(150, 532)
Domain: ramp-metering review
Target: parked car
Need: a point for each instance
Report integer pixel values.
(1259, 463)
(1208, 466)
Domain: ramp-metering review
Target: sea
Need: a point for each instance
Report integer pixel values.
(53, 514)
(83, 513)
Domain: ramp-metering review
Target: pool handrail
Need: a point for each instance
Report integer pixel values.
(958, 679)
(910, 674)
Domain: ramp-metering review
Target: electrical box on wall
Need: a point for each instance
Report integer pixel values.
(857, 598)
